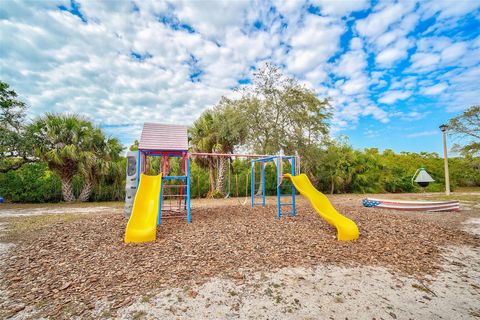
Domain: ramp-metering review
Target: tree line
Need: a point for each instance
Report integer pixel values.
(65, 157)
(276, 113)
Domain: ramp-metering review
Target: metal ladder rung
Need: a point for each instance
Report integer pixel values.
(286, 204)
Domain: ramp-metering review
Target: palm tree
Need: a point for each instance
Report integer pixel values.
(102, 161)
(230, 131)
(59, 142)
(202, 138)
(70, 144)
(218, 130)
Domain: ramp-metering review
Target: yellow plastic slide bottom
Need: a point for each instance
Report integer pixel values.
(142, 225)
(346, 228)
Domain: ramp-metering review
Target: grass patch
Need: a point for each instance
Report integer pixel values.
(467, 189)
(269, 292)
(459, 197)
(232, 293)
(138, 315)
(420, 287)
(146, 298)
(113, 204)
(20, 227)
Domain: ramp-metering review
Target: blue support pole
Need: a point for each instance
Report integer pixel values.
(294, 209)
(189, 217)
(252, 184)
(263, 185)
(159, 216)
(185, 198)
(279, 172)
(139, 158)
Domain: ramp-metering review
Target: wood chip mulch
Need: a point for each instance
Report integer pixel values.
(65, 268)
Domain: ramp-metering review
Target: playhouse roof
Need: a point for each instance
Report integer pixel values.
(159, 136)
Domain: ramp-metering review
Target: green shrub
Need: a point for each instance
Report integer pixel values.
(31, 183)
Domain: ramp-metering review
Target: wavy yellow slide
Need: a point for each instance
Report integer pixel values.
(346, 228)
(142, 225)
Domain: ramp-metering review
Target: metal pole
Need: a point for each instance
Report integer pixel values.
(159, 216)
(189, 216)
(278, 176)
(445, 160)
(245, 155)
(263, 185)
(252, 179)
(293, 169)
(139, 168)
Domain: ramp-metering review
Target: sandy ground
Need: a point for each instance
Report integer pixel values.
(4, 247)
(26, 212)
(321, 292)
(325, 292)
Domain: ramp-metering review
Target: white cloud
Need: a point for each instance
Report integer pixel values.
(355, 85)
(463, 91)
(377, 113)
(370, 133)
(212, 18)
(448, 9)
(423, 134)
(409, 116)
(378, 22)
(387, 32)
(353, 62)
(340, 8)
(424, 61)
(454, 52)
(435, 89)
(394, 95)
(389, 56)
(308, 43)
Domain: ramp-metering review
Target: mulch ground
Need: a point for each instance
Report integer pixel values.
(65, 268)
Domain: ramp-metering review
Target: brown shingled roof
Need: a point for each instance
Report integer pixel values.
(158, 136)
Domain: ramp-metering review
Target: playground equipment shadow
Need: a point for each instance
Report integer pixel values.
(67, 267)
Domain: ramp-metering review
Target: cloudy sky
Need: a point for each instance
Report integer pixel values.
(394, 70)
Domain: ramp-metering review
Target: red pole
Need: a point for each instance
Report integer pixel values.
(205, 154)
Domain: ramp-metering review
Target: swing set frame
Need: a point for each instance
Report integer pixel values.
(278, 161)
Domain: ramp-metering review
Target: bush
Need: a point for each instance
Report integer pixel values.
(31, 183)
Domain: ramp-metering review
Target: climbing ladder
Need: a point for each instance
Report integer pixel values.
(174, 198)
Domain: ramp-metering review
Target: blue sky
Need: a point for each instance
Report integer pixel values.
(394, 71)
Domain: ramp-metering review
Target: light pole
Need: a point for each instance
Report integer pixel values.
(444, 128)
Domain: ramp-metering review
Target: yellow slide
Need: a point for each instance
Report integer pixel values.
(346, 228)
(142, 225)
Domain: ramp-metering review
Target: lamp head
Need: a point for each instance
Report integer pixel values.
(443, 127)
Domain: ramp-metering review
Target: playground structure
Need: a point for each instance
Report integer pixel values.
(149, 199)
